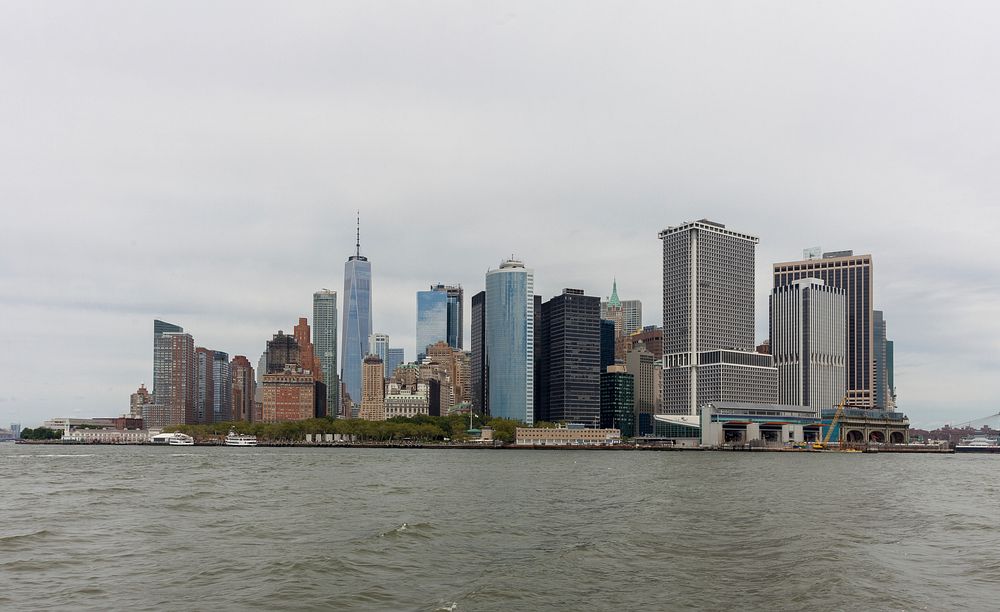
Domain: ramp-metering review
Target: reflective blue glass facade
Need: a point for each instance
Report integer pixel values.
(357, 322)
(510, 338)
(432, 320)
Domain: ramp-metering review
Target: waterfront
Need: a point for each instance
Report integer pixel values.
(115, 527)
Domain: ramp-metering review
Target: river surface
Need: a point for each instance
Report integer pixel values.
(140, 528)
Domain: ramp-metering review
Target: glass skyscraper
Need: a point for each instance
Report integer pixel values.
(432, 320)
(510, 339)
(357, 320)
(394, 359)
(378, 345)
(325, 344)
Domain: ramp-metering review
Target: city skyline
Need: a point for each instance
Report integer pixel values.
(518, 146)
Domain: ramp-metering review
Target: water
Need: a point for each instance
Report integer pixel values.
(144, 528)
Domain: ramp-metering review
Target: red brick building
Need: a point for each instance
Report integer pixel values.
(289, 395)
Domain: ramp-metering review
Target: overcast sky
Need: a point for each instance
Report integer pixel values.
(201, 162)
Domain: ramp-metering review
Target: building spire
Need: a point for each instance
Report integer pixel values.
(613, 300)
(357, 245)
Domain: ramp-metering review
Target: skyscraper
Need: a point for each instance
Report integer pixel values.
(618, 400)
(378, 345)
(853, 274)
(432, 320)
(372, 390)
(394, 358)
(607, 344)
(569, 380)
(631, 311)
(883, 391)
(204, 394)
(510, 339)
(357, 318)
(281, 351)
(641, 364)
(807, 343)
(456, 314)
(244, 389)
(222, 392)
(325, 344)
(477, 359)
(708, 319)
(173, 377)
(307, 354)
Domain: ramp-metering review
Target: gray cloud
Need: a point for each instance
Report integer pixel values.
(201, 163)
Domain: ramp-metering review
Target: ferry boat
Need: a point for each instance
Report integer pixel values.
(235, 439)
(172, 439)
(978, 444)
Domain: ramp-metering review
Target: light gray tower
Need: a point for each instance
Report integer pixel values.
(708, 319)
(324, 341)
(357, 319)
(378, 345)
(808, 343)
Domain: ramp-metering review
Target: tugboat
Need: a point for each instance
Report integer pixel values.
(978, 444)
(235, 439)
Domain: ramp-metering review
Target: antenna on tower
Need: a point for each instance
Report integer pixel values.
(357, 245)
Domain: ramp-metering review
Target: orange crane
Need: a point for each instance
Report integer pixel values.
(833, 424)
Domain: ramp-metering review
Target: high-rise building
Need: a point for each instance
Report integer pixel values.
(325, 344)
(258, 395)
(708, 319)
(372, 390)
(204, 385)
(607, 344)
(222, 392)
(477, 358)
(357, 319)
(618, 400)
(641, 364)
(307, 354)
(627, 316)
(890, 376)
(244, 389)
(651, 336)
(569, 357)
(456, 315)
(173, 377)
(880, 356)
(853, 274)
(807, 343)
(510, 341)
(289, 395)
(137, 400)
(378, 345)
(394, 357)
(432, 320)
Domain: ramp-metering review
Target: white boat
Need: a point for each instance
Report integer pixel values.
(172, 439)
(235, 439)
(978, 443)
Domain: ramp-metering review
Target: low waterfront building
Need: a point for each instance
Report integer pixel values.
(745, 423)
(107, 436)
(680, 430)
(566, 436)
(866, 426)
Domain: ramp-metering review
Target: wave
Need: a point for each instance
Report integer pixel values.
(21, 537)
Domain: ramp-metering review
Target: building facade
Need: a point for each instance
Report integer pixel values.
(404, 402)
(282, 350)
(708, 319)
(432, 320)
(853, 274)
(569, 357)
(289, 395)
(510, 340)
(477, 358)
(641, 364)
(456, 314)
(173, 377)
(357, 324)
(807, 321)
(618, 400)
(394, 358)
(372, 390)
(244, 389)
(325, 344)
(378, 345)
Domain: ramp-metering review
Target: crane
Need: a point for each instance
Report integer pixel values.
(833, 424)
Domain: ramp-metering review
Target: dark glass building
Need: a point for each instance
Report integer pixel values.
(477, 360)
(569, 342)
(281, 350)
(618, 401)
(607, 344)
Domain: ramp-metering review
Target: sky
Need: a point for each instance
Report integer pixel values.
(203, 162)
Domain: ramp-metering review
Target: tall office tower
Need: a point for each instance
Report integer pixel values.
(853, 274)
(890, 376)
(173, 377)
(137, 400)
(281, 351)
(641, 364)
(708, 319)
(510, 341)
(378, 345)
(807, 343)
(394, 357)
(618, 400)
(442, 354)
(880, 360)
(432, 320)
(357, 318)
(463, 377)
(477, 359)
(607, 344)
(289, 395)
(307, 354)
(243, 390)
(204, 385)
(258, 394)
(456, 314)
(222, 392)
(325, 344)
(569, 357)
(372, 390)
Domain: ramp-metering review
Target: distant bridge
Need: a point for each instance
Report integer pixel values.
(992, 421)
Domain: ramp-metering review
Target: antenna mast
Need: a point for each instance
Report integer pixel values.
(357, 245)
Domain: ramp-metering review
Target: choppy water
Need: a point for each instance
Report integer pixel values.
(318, 529)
